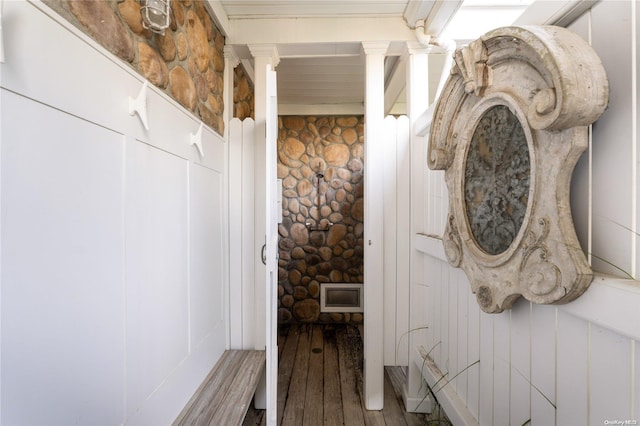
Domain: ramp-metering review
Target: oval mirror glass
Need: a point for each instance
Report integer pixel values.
(496, 180)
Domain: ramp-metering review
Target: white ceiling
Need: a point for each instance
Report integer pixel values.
(312, 8)
(321, 70)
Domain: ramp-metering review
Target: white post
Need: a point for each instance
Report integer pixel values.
(417, 91)
(234, 187)
(231, 61)
(373, 224)
(265, 60)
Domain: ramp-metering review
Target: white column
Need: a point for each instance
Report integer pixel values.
(417, 91)
(373, 224)
(231, 61)
(265, 60)
(234, 187)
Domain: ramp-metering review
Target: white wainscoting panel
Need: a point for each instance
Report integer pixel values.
(62, 267)
(114, 240)
(206, 292)
(156, 268)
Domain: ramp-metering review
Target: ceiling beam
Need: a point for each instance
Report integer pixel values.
(318, 30)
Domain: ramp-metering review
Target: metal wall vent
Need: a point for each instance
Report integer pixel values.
(341, 297)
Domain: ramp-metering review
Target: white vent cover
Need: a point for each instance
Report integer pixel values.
(341, 297)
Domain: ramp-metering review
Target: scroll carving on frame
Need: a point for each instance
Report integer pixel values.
(508, 130)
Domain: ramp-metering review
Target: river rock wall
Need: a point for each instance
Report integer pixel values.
(320, 162)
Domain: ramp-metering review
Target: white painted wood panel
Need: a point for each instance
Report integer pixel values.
(444, 337)
(62, 267)
(520, 356)
(403, 237)
(156, 268)
(451, 363)
(207, 300)
(235, 232)
(501, 368)
(635, 403)
(614, 144)
(463, 337)
(609, 381)
(389, 203)
(433, 270)
(374, 54)
(248, 230)
(112, 215)
(396, 239)
(485, 403)
(543, 364)
(473, 352)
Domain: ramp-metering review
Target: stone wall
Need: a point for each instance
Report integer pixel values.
(320, 160)
(187, 62)
(243, 95)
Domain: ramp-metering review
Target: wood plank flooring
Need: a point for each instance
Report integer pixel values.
(320, 381)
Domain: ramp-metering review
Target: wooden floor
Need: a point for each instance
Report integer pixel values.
(320, 381)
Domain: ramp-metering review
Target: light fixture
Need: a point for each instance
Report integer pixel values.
(156, 15)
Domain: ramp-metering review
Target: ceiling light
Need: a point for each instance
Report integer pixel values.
(156, 15)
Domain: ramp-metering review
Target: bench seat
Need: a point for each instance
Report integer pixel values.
(225, 394)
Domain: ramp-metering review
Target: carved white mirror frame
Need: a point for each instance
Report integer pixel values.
(554, 86)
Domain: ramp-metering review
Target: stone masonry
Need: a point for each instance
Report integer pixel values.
(187, 62)
(243, 95)
(320, 162)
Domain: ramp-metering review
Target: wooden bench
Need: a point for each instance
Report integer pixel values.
(225, 394)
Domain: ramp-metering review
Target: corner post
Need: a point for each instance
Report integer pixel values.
(417, 93)
(374, 54)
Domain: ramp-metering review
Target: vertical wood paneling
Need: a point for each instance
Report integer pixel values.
(635, 117)
(572, 384)
(610, 362)
(419, 335)
(452, 332)
(613, 142)
(235, 231)
(388, 160)
(248, 229)
(434, 307)
(487, 361)
(543, 364)
(463, 336)
(427, 334)
(520, 388)
(373, 223)
(501, 368)
(403, 232)
(444, 319)
(473, 355)
(635, 376)
(536, 358)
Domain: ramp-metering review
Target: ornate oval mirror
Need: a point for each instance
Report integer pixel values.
(508, 130)
(497, 180)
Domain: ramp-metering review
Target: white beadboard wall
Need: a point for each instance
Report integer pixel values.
(574, 364)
